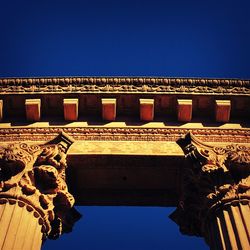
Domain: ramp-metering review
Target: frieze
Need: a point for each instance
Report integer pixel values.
(124, 134)
(125, 85)
(154, 148)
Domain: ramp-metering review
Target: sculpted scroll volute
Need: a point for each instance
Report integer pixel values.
(34, 175)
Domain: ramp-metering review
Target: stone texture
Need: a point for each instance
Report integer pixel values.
(163, 148)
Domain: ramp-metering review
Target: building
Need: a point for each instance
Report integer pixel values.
(126, 141)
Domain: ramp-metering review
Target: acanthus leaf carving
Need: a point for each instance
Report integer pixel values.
(35, 176)
(217, 175)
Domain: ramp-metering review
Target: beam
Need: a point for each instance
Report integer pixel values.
(125, 172)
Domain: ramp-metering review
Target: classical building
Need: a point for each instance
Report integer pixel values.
(124, 141)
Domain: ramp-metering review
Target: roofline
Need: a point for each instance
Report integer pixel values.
(125, 80)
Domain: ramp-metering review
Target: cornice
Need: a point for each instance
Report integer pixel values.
(125, 85)
(125, 134)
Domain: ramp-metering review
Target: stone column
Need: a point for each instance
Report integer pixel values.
(216, 193)
(34, 200)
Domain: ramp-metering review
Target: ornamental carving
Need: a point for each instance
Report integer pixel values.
(123, 134)
(34, 175)
(216, 177)
(124, 85)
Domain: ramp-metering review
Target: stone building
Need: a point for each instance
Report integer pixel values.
(124, 141)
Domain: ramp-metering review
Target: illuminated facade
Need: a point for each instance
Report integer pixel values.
(124, 141)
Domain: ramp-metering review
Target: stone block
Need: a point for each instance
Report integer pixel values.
(70, 108)
(147, 109)
(33, 109)
(108, 109)
(222, 110)
(184, 110)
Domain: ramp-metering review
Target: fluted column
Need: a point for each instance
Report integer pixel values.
(215, 200)
(20, 226)
(34, 200)
(230, 228)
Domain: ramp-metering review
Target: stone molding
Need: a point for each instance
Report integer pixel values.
(33, 176)
(219, 177)
(125, 134)
(125, 85)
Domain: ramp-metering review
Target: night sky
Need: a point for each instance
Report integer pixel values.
(125, 38)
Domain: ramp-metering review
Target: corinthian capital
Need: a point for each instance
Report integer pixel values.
(34, 176)
(217, 176)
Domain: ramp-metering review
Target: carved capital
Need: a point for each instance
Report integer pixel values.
(34, 176)
(216, 177)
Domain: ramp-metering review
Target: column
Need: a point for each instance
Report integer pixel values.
(215, 198)
(34, 200)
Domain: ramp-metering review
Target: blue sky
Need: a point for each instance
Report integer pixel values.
(126, 228)
(125, 38)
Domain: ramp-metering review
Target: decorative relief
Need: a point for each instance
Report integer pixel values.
(124, 134)
(34, 175)
(97, 85)
(218, 176)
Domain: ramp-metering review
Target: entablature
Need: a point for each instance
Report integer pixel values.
(125, 129)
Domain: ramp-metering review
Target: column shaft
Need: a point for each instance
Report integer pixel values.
(230, 230)
(19, 228)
